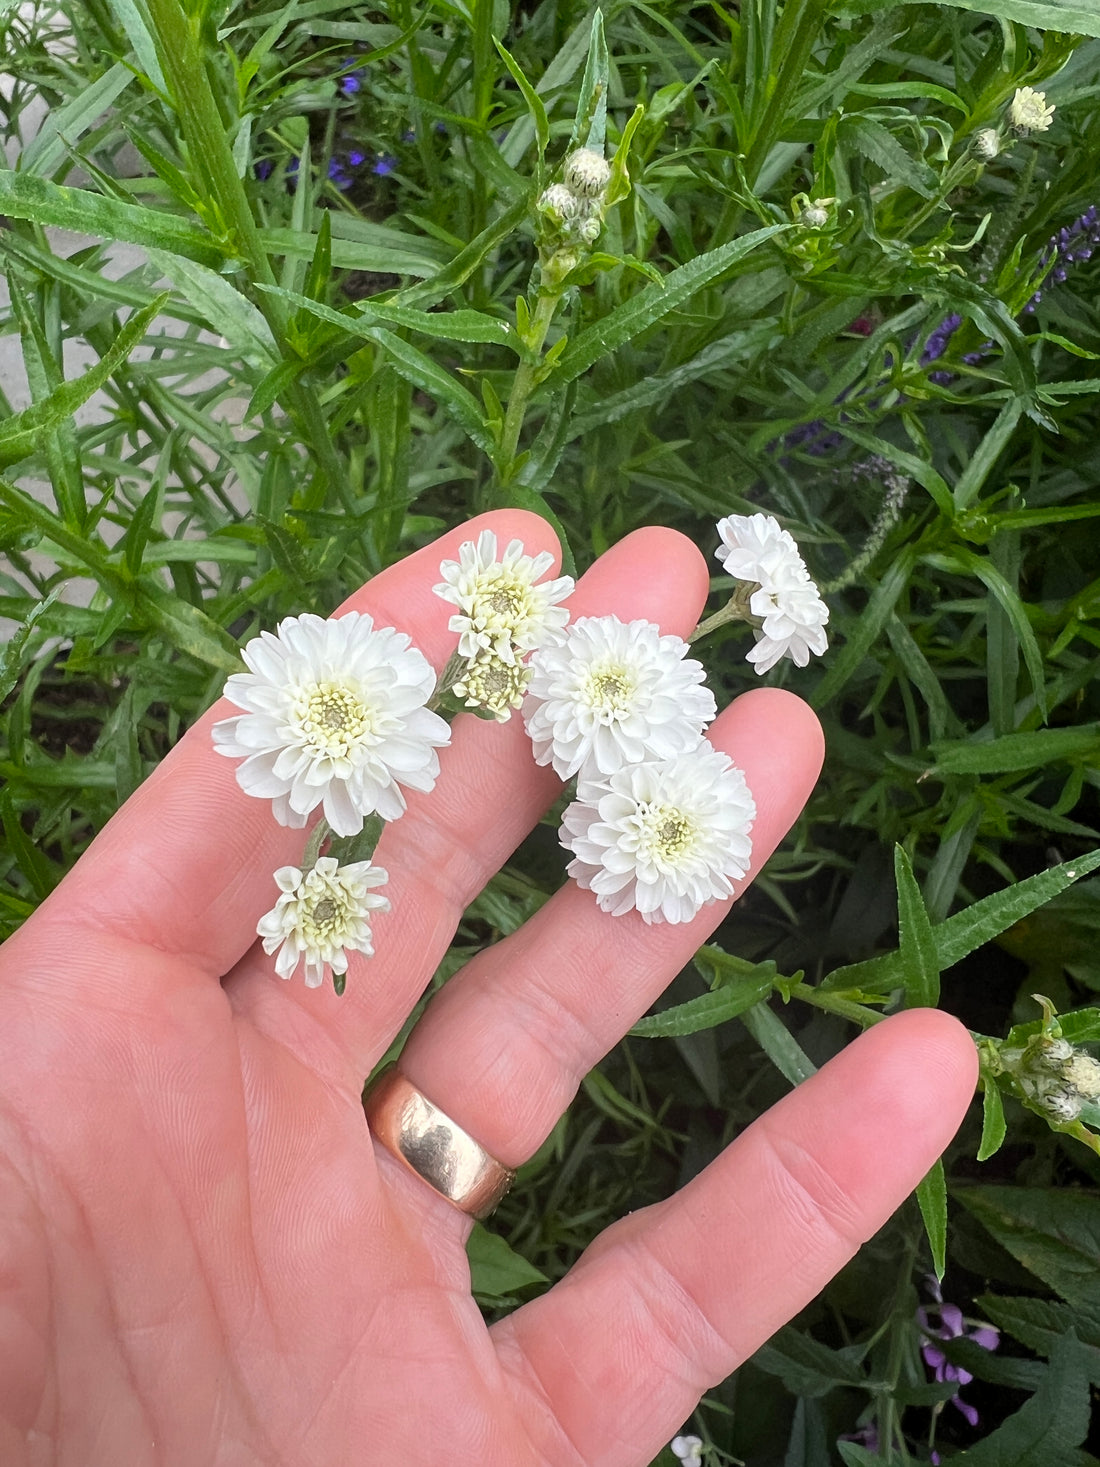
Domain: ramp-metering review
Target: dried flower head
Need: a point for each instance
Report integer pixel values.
(333, 715)
(500, 608)
(665, 838)
(609, 693)
(1028, 111)
(322, 915)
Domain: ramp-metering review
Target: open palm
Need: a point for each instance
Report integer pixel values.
(204, 1259)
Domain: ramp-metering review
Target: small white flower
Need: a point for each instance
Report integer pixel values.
(500, 608)
(609, 693)
(792, 615)
(333, 715)
(986, 143)
(587, 173)
(665, 838)
(493, 684)
(1028, 111)
(322, 915)
(687, 1448)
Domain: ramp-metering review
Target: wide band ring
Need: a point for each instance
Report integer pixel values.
(430, 1144)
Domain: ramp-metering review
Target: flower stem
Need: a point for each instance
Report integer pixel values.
(320, 833)
(524, 383)
(836, 1003)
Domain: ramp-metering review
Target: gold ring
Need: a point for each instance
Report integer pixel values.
(430, 1144)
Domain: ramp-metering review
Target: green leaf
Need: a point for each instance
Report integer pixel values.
(709, 1009)
(916, 944)
(932, 1199)
(985, 456)
(808, 1368)
(993, 1120)
(63, 126)
(497, 1270)
(33, 863)
(590, 125)
(866, 630)
(1076, 16)
(188, 628)
(1040, 1323)
(883, 149)
(11, 655)
(223, 308)
(25, 196)
(20, 433)
(1049, 1428)
(1053, 1232)
(534, 102)
(1014, 752)
(778, 1043)
(640, 312)
(969, 929)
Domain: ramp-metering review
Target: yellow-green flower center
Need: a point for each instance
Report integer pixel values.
(609, 689)
(670, 832)
(333, 719)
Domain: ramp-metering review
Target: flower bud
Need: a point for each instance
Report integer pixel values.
(1053, 1053)
(1063, 1105)
(1082, 1073)
(587, 173)
(814, 216)
(986, 144)
(559, 203)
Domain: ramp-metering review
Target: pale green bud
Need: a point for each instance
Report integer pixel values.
(986, 144)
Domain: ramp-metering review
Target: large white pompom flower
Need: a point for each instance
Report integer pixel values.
(500, 608)
(322, 915)
(609, 693)
(757, 550)
(664, 839)
(333, 715)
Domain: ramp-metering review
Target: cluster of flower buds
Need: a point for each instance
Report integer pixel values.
(571, 212)
(340, 715)
(1060, 1078)
(1054, 1077)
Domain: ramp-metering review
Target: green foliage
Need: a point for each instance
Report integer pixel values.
(265, 371)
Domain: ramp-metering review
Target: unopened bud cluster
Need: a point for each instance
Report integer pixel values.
(572, 211)
(1055, 1075)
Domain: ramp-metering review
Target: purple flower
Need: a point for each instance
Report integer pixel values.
(384, 163)
(352, 81)
(1072, 245)
(951, 1326)
(936, 344)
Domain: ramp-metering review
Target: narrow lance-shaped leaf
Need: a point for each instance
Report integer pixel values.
(968, 929)
(932, 1199)
(654, 301)
(19, 434)
(916, 943)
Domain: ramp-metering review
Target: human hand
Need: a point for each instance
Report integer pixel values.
(204, 1258)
